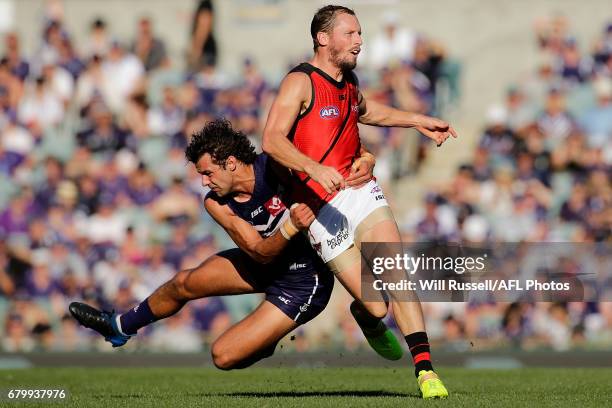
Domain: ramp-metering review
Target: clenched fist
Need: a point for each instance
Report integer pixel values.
(301, 216)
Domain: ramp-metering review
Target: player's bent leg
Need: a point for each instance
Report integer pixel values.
(225, 273)
(290, 301)
(368, 314)
(408, 315)
(349, 275)
(253, 338)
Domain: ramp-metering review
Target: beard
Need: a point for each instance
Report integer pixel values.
(345, 64)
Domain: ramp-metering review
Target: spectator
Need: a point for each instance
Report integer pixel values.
(69, 60)
(123, 76)
(106, 226)
(104, 138)
(555, 122)
(394, 44)
(203, 46)
(39, 283)
(16, 338)
(98, 43)
(18, 65)
(149, 49)
(14, 219)
(142, 189)
(498, 139)
(519, 112)
(167, 119)
(597, 122)
(41, 107)
(176, 204)
(575, 69)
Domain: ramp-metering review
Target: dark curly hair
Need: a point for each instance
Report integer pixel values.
(221, 141)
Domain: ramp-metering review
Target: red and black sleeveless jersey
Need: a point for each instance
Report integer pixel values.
(327, 130)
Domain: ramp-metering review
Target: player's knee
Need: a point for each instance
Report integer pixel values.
(378, 309)
(179, 285)
(222, 358)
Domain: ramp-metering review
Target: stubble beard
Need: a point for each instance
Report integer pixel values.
(343, 64)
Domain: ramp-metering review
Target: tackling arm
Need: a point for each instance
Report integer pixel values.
(262, 250)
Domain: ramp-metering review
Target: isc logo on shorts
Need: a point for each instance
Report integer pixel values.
(295, 266)
(329, 112)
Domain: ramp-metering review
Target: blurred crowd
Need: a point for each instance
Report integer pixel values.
(540, 173)
(97, 201)
(98, 204)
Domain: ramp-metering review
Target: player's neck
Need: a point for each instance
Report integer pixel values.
(244, 182)
(323, 63)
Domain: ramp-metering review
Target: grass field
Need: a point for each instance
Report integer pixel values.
(317, 387)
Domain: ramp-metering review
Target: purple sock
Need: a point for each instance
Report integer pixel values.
(136, 318)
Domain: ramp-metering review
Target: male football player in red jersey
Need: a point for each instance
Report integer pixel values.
(312, 129)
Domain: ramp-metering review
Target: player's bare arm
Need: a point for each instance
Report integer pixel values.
(377, 114)
(293, 96)
(262, 250)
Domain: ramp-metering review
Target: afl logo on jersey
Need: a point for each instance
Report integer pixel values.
(329, 112)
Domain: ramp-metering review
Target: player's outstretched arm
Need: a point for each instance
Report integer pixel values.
(377, 114)
(262, 250)
(294, 92)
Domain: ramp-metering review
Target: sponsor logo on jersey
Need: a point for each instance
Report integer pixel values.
(329, 112)
(274, 206)
(380, 197)
(375, 189)
(284, 300)
(256, 212)
(304, 307)
(340, 237)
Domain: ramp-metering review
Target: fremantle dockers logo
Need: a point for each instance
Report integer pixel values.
(274, 206)
(329, 112)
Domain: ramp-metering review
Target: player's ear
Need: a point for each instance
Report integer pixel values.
(230, 163)
(322, 38)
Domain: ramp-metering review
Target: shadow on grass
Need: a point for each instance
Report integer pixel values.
(298, 394)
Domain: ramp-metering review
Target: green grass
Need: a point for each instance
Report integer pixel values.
(316, 387)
